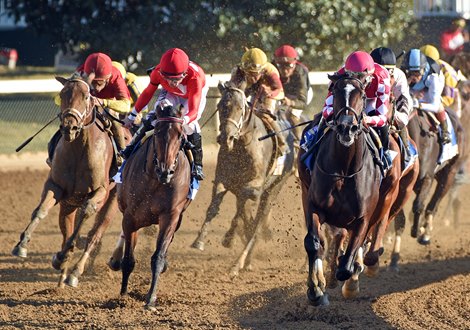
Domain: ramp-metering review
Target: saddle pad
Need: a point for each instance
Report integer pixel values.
(449, 150)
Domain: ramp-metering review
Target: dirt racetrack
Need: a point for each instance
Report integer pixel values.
(431, 291)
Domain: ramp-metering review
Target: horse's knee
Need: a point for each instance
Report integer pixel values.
(312, 244)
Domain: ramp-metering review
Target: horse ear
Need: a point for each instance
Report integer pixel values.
(221, 86)
(62, 80)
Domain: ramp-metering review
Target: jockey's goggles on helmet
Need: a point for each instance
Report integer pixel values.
(415, 73)
(252, 67)
(170, 77)
(285, 65)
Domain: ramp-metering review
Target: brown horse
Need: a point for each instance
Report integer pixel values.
(78, 180)
(244, 168)
(344, 190)
(154, 190)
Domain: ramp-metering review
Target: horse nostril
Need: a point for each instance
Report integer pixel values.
(171, 172)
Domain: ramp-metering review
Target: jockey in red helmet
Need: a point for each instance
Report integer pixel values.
(108, 89)
(183, 83)
(377, 81)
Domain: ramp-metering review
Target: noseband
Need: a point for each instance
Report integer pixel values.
(79, 116)
(240, 123)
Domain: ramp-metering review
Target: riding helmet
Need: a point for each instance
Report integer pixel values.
(254, 60)
(286, 54)
(99, 64)
(430, 51)
(359, 62)
(174, 63)
(414, 60)
(384, 56)
(120, 67)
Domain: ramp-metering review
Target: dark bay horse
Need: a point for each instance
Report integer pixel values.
(154, 190)
(244, 168)
(429, 149)
(78, 180)
(345, 190)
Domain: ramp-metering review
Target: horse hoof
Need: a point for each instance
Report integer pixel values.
(393, 268)
(227, 242)
(424, 240)
(56, 261)
(321, 300)
(372, 271)
(198, 245)
(350, 290)
(343, 274)
(150, 307)
(114, 264)
(19, 251)
(72, 281)
(234, 272)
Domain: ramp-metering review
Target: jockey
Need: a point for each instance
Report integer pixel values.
(450, 94)
(400, 92)
(295, 82)
(453, 39)
(360, 64)
(261, 82)
(134, 87)
(108, 89)
(183, 83)
(426, 85)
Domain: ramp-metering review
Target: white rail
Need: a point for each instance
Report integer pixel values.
(52, 85)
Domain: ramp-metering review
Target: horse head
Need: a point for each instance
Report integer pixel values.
(76, 106)
(348, 103)
(232, 112)
(167, 136)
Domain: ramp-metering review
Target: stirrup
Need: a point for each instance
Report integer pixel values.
(445, 138)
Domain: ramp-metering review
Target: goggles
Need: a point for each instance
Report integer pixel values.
(285, 65)
(252, 67)
(413, 73)
(173, 78)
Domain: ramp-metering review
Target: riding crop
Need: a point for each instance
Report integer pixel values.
(283, 130)
(32, 137)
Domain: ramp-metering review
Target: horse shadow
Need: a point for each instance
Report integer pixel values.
(286, 306)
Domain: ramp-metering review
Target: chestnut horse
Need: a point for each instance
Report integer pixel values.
(79, 180)
(345, 190)
(244, 168)
(154, 190)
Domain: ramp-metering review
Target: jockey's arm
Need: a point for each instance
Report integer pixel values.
(432, 97)
(298, 100)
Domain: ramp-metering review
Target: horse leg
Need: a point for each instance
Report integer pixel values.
(336, 242)
(128, 260)
(218, 193)
(314, 246)
(115, 261)
(168, 224)
(227, 241)
(346, 266)
(350, 288)
(444, 182)
(102, 221)
(451, 204)
(399, 222)
(421, 190)
(51, 194)
(60, 261)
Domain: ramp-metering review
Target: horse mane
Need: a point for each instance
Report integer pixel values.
(168, 110)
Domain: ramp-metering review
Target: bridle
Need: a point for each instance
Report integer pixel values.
(244, 119)
(80, 116)
(347, 109)
(169, 119)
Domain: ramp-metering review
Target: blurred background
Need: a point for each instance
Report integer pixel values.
(43, 38)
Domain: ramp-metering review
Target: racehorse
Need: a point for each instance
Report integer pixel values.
(79, 179)
(344, 189)
(244, 167)
(154, 190)
(429, 149)
(461, 62)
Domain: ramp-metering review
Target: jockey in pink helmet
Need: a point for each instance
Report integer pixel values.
(183, 83)
(376, 78)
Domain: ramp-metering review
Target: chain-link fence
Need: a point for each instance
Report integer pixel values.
(22, 115)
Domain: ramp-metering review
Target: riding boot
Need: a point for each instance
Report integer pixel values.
(51, 147)
(119, 140)
(384, 138)
(445, 136)
(196, 140)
